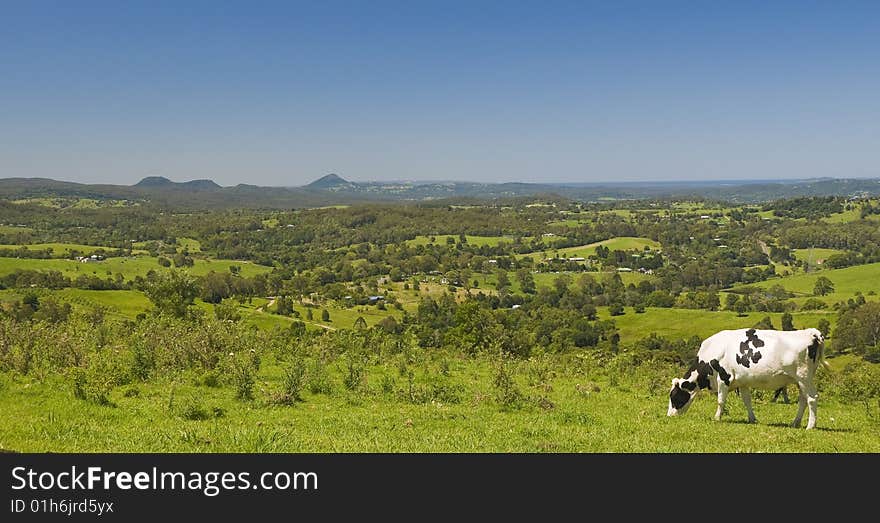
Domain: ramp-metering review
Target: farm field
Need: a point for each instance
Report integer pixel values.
(587, 415)
(64, 249)
(813, 256)
(175, 373)
(847, 281)
(619, 243)
(684, 323)
(129, 267)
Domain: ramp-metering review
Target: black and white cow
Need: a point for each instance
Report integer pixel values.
(748, 359)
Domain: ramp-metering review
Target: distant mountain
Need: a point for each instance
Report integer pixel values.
(154, 181)
(200, 185)
(330, 181)
(160, 182)
(333, 190)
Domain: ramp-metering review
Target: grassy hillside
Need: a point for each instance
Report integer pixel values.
(129, 267)
(684, 323)
(64, 249)
(619, 243)
(847, 281)
(582, 412)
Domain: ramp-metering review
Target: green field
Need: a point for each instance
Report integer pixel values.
(441, 239)
(585, 251)
(847, 281)
(814, 255)
(684, 323)
(13, 229)
(64, 249)
(129, 267)
(581, 411)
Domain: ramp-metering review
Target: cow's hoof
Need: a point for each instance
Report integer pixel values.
(796, 424)
(753, 420)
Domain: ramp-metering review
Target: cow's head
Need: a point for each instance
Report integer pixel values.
(681, 396)
(697, 377)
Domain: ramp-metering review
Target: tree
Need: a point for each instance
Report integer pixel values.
(325, 315)
(360, 323)
(765, 323)
(227, 311)
(503, 284)
(823, 286)
(824, 327)
(172, 293)
(741, 307)
(787, 322)
(858, 328)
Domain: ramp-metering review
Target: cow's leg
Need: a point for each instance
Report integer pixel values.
(802, 405)
(812, 401)
(746, 394)
(722, 397)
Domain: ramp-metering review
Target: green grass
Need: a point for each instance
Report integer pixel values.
(585, 251)
(440, 239)
(64, 249)
(190, 244)
(847, 281)
(129, 267)
(814, 255)
(684, 323)
(12, 229)
(43, 416)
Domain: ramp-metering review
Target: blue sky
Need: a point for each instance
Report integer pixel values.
(283, 93)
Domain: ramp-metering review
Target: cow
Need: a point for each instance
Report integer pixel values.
(746, 359)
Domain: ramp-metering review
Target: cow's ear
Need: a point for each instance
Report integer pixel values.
(676, 381)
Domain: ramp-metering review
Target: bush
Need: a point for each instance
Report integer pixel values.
(89, 386)
(191, 408)
(210, 378)
(241, 371)
(507, 394)
(859, 382)
(318, 379)
(813, 304)
(387, 384)
(292, 383)
(355, 373)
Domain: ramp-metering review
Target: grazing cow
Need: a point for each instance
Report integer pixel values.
(748, 358)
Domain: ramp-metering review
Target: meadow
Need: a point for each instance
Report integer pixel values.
(621, 243)
(123, 373)
(129, 266)
(578, 409)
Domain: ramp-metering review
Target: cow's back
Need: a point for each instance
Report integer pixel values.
(759, 358)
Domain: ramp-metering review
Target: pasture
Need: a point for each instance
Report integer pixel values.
(577, 409)
(66, 249)
(847, 281)
(615, 244)
(129, 267)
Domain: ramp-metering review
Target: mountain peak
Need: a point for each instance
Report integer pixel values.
(160, 182)
(201, 184)
(328, 181)
(154, 181)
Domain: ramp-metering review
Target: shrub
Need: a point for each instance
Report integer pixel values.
(355, 373)
(387, 384)
(89, 387)
(191, 408)
(241, 371)
(507, 394)
(292, 383)
(318, 379)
